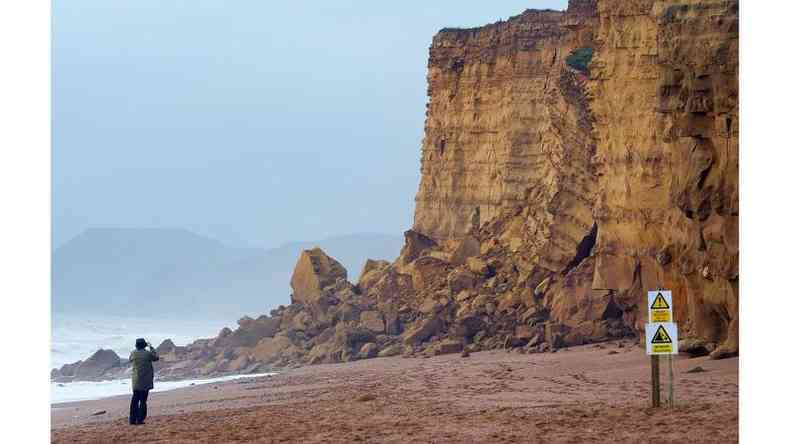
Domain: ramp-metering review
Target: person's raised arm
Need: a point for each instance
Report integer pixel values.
(154, 355)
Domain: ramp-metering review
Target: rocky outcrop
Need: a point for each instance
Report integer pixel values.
(572, 161)
(314, 272)
(97, 366)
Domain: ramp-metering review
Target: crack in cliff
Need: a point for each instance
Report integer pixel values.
(584, 249)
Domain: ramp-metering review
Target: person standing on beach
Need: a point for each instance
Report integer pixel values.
(142, 380)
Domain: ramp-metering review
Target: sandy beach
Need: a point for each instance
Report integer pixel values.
(593, 393)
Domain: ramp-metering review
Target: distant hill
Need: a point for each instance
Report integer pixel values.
(172, 272)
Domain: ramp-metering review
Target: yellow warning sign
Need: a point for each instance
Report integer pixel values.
(663, 338)
(659, 306)
(660, 316)
(659, 303)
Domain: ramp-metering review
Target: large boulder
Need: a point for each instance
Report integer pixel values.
(428, 271)
(238, 364)
(555, 334)
(415, 244)
(314, 271)
(466, 248)
(347, 312)
(422, 331)
(249, 333)
(372, 321)
(468, 326)
(269, 350)
(524, 333)
(351, 336)
(169, 352)
(166, 346)
(695, 347)
(392, 284)
(460, 279)
(265, 326)
(302, 321)
(372, 271)
(586, 332)
(66, 372)
(97, 364)
(323, 353)
(480, 267)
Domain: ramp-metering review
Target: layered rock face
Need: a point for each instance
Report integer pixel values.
(572, 161)
(666, 96)
(607, 183)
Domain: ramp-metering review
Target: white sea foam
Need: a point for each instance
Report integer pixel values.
(84, 390)
(75, 338)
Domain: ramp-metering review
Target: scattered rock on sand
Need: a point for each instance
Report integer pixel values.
(694, 347)
(697, 369)
(366, 397)
(100, 412)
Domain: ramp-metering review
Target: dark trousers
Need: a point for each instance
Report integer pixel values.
(138, 410)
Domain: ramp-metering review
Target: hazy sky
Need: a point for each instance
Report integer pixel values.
(254, 122)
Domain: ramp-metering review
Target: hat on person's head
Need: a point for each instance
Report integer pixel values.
(140, 343)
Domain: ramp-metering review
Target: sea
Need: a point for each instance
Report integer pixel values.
(76, 337)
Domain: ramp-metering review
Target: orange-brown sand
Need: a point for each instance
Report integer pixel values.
(580, 395)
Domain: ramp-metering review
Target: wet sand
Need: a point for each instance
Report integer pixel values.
(594, 393)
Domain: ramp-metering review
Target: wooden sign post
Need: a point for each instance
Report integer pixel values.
(661, 338)
(655, 380)
(671, 399)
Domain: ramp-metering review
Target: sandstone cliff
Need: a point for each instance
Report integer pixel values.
(571, 161)
(605, 184)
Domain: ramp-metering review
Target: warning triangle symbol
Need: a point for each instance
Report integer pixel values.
(659, 303)
(661, 336)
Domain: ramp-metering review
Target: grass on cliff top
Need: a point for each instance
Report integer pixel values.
(579, 59)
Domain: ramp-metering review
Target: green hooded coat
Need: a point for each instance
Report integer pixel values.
(143, 369)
